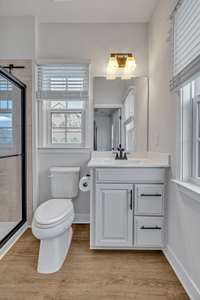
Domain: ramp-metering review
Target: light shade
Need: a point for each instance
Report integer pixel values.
(112, 68)
(121, 65)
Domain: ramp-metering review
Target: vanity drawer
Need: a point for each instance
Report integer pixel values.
(149, 199)
(130, 175)
(149, 232)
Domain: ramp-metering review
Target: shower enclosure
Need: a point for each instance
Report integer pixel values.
(12, 156)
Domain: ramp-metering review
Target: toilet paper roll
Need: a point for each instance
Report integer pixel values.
(84, 184)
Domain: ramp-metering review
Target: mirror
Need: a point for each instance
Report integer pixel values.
(120, 114)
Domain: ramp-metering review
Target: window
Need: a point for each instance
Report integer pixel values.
(185, 81)
(190, 131)
(63, 105)
(6, 113)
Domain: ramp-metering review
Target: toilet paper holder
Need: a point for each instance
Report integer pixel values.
(85, 184)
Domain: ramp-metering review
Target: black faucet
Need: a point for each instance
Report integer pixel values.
(120, 154)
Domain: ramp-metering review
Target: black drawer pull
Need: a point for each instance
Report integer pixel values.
(131, 200)
(151, 228)
(150, 195)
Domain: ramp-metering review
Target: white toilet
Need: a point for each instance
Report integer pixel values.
(53, 219)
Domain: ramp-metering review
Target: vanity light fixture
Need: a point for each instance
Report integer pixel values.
(120, 65)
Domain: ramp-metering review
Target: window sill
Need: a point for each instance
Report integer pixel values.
(44, 150)
(189, 189)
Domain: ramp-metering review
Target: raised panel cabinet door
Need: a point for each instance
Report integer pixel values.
(114, 215)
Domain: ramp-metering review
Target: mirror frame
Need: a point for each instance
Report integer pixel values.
(118, 106)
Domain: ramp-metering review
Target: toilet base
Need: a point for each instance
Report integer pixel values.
(52, 252)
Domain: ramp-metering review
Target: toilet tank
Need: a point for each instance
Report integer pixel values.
(64, 182)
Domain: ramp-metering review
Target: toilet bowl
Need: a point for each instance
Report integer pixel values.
(53, 219)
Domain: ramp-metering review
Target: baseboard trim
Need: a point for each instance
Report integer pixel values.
(187, 282)
(82, 219)
(12, 240)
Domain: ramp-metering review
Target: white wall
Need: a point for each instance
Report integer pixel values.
(141, 114)
(183, 212)
(110, 91)
(94, 42)
(162, 113)
(17, 36)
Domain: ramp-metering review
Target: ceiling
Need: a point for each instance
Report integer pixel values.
(81, 11)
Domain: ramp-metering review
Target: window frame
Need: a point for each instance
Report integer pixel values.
(74, 95)
(196, 139)
(190, 135)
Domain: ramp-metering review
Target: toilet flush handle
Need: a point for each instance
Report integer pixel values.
(50, 176)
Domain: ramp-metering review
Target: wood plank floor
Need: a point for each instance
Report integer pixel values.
(87, 274)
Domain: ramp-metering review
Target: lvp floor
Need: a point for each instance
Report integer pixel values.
(87, 274)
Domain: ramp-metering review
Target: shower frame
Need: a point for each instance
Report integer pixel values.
(15, 81)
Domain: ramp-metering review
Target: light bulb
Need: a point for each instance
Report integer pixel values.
(130, 64)
(112, 64)
(112, 68)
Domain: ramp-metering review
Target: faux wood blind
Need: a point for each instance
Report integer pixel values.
(63, 82)
(186, 41)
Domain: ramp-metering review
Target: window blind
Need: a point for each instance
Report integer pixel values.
(63, 82)
(186, 41)
(6, 89)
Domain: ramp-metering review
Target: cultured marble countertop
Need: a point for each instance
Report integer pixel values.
(135, 160)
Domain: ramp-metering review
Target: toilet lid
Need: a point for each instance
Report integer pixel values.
(53, 210)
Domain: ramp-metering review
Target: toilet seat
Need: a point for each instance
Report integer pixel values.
(53, 212)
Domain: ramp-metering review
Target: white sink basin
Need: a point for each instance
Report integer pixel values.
(121, 161)
(131, 162)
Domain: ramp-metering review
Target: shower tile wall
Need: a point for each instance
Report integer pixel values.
(10, 187)
(12, 208)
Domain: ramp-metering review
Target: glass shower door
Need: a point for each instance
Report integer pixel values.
(12, 156)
